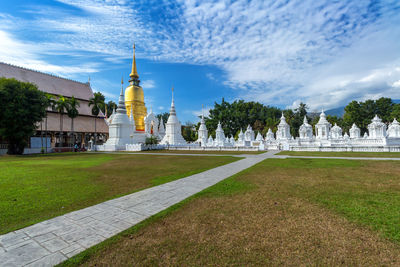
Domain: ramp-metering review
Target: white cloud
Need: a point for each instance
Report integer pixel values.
(148, 84)
(396, 84)
(323, 53)
(26, 55)
(198, 113)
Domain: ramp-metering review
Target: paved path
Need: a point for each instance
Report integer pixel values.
(53, 241)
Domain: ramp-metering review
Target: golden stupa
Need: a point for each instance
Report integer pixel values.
(134, 97)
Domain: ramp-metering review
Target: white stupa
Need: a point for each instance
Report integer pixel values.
(283, 132)
(394, 129)
(249, 134)
(355, 132)
(161, 129)
(270, 135)
(202, 133)
(121, 127)
(173, 132)
(323, 127)
(219, 136)
(376, 129)
(259, 137)
(336, 132)
(306, 131)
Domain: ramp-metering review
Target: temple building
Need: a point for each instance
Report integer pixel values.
(84, 124)
(134, 97)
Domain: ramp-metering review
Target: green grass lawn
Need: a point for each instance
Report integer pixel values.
(342, 154)
(298, 212)
(36, 188)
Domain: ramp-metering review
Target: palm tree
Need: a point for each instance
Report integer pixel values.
(50, 104)
(97, 102)
(61, 105)
(73, 112)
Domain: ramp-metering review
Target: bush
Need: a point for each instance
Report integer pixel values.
(152, 140)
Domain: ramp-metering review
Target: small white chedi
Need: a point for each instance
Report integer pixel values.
(121, 127)
(327, 138)
(173, 135)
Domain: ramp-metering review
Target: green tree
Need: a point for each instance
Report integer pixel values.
(102, 99)
(97, 103)
(395, 112)
(61, 105)
(72, 111)
(163, 116)
(295, 119)
(23, 106)
(361, 113)
(189, 132)
(111, 105)
(384, 108)
(335, 119)
(238, 115)
(271, 123)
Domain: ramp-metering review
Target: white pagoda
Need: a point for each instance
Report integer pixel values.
(283, 132)
(355, 132)
(394, 129)
(121, 127)
(336, 132)
(323, 127)
(376, 129)
(202, 133)
(306, 131)
(173, 132)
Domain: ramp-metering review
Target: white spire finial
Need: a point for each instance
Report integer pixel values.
(172, 94)
(122, 85)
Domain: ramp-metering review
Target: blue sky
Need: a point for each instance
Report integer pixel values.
(324, 53)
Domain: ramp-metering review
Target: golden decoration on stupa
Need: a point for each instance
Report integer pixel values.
(134, 97)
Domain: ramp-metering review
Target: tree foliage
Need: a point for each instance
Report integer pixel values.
(23, 106)
(361, 113)
(111, 105)
(101, 102)
(238, 115)
(163, 116)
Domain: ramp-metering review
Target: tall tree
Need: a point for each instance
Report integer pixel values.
(295, 119)
(238, 115)
(72, 111)
(61, 105)
(96, 102)
(395, 112)
(361, 113)
(163, 116)
(111, 105)
(102, 99)
(23, 106)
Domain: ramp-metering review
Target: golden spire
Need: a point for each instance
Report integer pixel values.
(134, 73)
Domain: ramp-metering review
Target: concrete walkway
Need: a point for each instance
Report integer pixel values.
(53, 241)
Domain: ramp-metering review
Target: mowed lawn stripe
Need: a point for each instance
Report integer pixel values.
(36, 188)
(279, 212)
